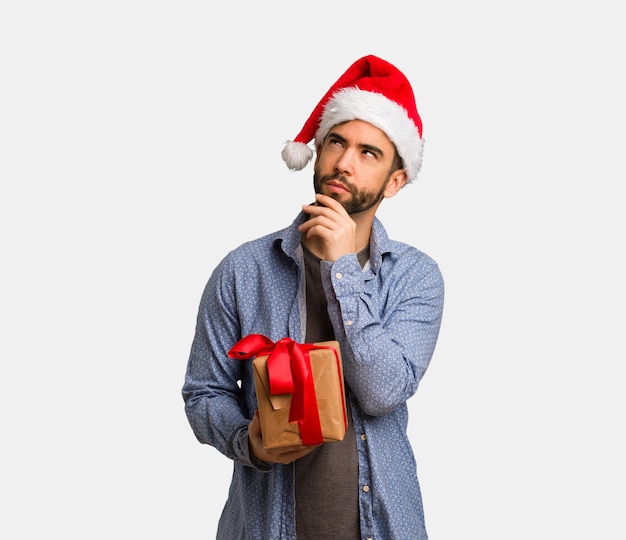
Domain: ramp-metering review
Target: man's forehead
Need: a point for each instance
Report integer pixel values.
(361, 129)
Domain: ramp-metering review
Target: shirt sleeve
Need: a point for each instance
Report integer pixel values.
(387, 324)
(215, 403)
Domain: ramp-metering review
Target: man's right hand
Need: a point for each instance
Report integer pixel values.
(284, 454)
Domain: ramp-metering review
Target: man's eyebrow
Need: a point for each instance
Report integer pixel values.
(368, 147)
(372, 149)
(336, 136)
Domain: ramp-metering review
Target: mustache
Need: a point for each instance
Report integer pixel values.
(334, 176)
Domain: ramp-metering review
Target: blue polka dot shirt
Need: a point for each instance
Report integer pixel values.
(386, 317)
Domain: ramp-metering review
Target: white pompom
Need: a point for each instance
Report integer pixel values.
(296, 155)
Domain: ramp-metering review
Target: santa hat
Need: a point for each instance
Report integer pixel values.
(376, 92)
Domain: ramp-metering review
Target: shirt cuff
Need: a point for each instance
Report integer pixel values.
(242, 450)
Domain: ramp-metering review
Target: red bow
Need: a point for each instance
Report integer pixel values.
(289, 372)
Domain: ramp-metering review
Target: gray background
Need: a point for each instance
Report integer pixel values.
(140, 141)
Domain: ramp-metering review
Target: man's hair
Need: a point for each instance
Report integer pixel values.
(397, 162)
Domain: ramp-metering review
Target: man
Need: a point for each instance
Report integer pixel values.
(333, 274)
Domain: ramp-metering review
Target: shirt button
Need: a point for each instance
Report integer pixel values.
(366, 488)
(349, 323)
(338, 275)
(363, 437)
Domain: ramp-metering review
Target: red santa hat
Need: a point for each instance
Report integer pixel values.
(376, 92)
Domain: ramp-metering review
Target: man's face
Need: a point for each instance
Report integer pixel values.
(353, 165)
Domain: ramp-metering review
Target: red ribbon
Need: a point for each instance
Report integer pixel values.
(289, 372)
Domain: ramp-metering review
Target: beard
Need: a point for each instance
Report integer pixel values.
(360, 200)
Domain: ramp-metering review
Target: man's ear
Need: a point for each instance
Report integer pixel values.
(396, 183)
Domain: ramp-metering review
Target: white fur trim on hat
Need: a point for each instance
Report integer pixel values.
(354, 104)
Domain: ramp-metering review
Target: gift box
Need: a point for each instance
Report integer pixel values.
(299, 388)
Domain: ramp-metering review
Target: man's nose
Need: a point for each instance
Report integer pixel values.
(345, 162)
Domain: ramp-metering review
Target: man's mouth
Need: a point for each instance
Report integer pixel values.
(337, 187)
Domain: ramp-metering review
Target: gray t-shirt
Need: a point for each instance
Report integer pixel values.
(327, 493)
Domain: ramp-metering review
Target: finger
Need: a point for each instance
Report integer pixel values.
(333, 217)
(288, 457)
(329, 202)
(314, 210)
(254, 427)
(319, 221)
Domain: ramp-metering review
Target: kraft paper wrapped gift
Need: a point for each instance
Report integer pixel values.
(316, 406)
